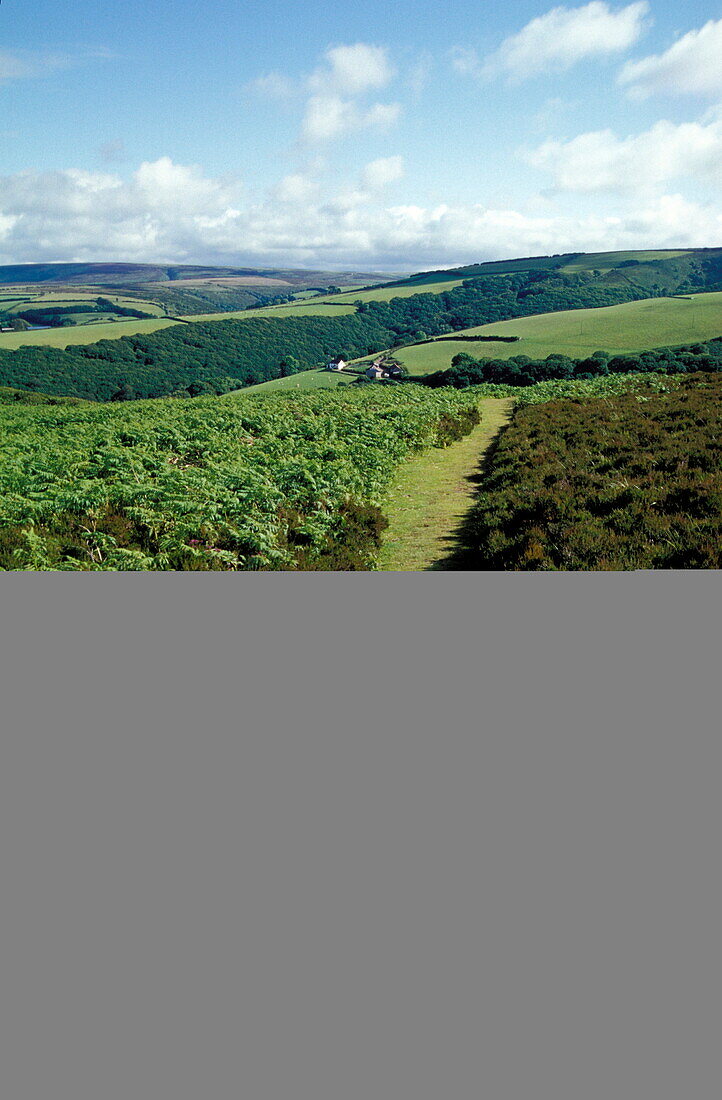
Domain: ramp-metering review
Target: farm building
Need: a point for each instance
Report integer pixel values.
(375, 372)
(336, 364)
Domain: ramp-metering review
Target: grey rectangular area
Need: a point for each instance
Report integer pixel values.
(359, 837)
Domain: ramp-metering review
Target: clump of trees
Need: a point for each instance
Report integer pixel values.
(521, 370)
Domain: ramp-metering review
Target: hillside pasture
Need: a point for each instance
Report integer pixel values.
(605, 261)
(632, 326)
(303, 381)
(385, 294)
(79, 334)
(14, 302)
(320, 309)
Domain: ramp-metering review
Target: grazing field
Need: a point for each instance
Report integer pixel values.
(632, 326)
(385, 294)
(79, 334)
(277, 481)
(311, 309)
(605, 261)
(625, 482)
(304, 380)
(20, 299)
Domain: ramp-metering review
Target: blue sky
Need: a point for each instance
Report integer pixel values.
(375, 135)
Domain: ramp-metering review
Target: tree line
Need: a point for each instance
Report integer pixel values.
(521, 370)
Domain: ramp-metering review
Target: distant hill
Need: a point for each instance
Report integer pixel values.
(186, 288)
(670, 269)
(122, 274)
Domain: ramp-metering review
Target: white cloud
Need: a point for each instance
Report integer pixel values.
(418, 74)
(13, 67)
(173, 213)
(164, 185)
(27, 64)
(328, 117)
(561, 38)
(600, 161)
(164, 208)
(693, 65)
(465, 60)
(353, 70)
(383, 115)
(272, 86)
(379, 173)
(296, 188)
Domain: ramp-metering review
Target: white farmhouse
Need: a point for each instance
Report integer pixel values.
(336, 364)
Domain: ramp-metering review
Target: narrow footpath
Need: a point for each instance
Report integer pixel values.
(432, 494)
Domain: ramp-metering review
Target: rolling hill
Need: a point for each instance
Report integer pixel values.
(571, 304)
(631, 326)
(109, 274)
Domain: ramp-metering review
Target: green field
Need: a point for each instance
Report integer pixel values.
(605, 261)
(305, 380)
(320, 309)
(17, 301)
(633, 326)
(385, 294)
(91, 332)
(79, 334)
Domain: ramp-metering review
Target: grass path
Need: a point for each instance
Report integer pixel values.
(433, 492)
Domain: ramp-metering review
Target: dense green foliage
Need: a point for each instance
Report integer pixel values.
(50, 314)
(520, 370)
(217, 355)
(626, 482)
(186, 300)
(10, 396)
(487, 299)
(581, 389)
(253, 482)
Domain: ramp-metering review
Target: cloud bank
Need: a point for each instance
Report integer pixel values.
(167, 212)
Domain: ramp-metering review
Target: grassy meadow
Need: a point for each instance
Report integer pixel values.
(319, 308)
(385, 294)
(79, 334)
(632, 326)
(605, 261)
(15, 301)
(303, 381)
